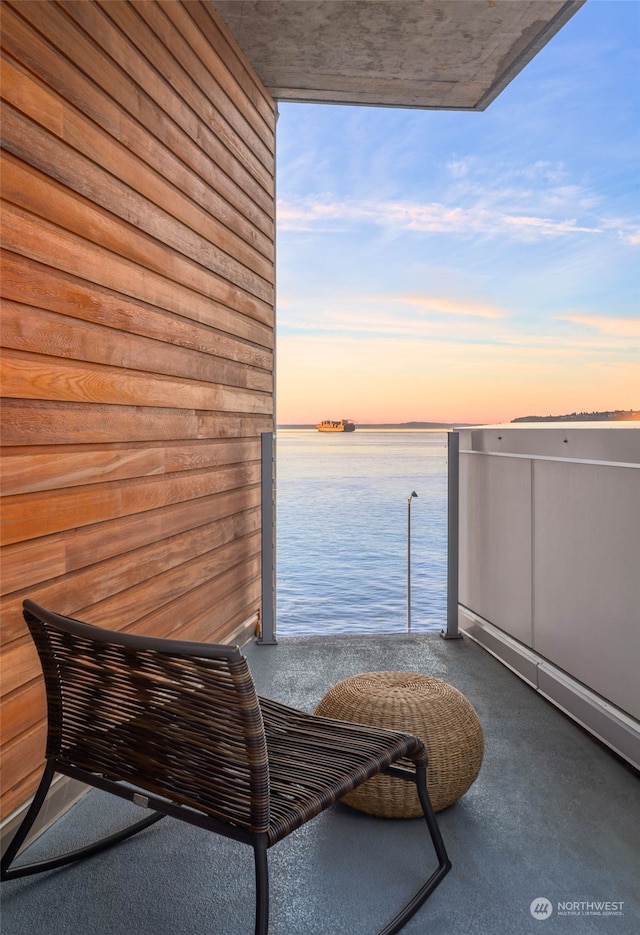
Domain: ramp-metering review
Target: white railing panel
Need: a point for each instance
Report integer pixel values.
(550, 547)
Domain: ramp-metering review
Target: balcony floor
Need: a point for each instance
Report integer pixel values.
(552, 814)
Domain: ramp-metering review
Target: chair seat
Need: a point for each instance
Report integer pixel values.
(315, 761)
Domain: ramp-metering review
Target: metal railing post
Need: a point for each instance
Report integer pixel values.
(409, 565)
(268, 531)
(453, 460)
(409, 499)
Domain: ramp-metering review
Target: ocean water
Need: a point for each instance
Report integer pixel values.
(341, 556)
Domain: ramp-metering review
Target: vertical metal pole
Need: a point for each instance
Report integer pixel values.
(453, 475)
(409, 565)
(409, 499)
(268, 527)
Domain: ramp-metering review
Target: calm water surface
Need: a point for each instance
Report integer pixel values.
(342, 531)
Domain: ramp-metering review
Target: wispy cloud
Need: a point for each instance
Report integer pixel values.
(547, 227)
(306, 214)
(433, 320)
(442, 306)
(627, 231)
(387, 317)
(615, 327)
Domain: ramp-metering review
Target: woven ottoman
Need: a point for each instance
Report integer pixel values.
(416, 704)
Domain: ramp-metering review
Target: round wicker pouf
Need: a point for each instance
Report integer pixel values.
(430, 709)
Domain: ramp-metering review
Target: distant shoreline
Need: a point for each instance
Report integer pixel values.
(609, 415)
(616, 415)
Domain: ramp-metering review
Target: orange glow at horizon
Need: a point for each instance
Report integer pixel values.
(402, 381)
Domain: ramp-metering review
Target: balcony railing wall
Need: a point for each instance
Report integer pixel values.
(550, 562)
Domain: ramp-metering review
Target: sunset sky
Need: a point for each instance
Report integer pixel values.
(468, 267)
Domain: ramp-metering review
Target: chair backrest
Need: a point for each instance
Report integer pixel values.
(180, 720)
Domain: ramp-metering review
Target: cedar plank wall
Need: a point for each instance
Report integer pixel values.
(138, 290)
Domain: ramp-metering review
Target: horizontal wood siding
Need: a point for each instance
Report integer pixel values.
(138, 318)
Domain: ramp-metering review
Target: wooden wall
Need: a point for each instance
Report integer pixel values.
(138, 291)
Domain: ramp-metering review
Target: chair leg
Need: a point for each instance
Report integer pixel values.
(27, 822)
(430, 818)
(444, 864)
(8, 873)
(262, 885)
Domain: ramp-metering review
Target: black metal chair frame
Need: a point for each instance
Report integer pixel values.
(177, 728)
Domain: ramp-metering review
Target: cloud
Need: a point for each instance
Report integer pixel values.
(448, 307)
(627, 231)
(428, 217)
(548, 227)
(392, 320)
(459, 168)
(616, 327)
(358, 325)
(421, 316)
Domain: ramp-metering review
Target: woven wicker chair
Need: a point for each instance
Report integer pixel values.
(177, 728)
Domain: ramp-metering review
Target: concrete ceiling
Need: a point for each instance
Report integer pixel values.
(436, 54)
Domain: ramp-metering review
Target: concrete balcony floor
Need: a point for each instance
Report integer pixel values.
(553, 815)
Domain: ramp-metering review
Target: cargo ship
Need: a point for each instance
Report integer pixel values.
(341, 425)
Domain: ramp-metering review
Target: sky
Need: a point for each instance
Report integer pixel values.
(462, 266)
